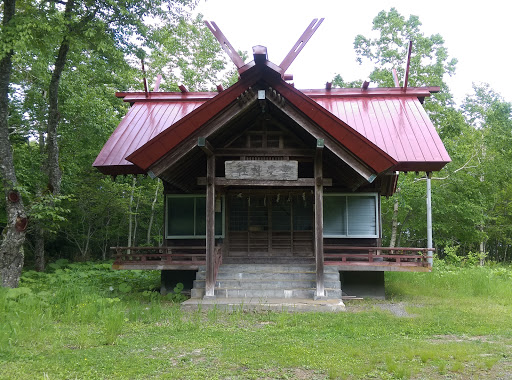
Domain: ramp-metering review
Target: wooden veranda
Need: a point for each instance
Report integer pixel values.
(345, 258)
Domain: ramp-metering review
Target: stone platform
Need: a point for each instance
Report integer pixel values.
(265, 304)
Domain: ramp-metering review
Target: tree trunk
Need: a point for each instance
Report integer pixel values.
(38, 227)
(105, 243)
(51, 144)
(152, 216)
(394, 224)
(130, 219)
(136, 222)
(11, 248)
(482, 252)
(39, 247)
(52, 147)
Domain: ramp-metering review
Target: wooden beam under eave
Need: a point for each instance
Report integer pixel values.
(301, 182)
(205, 146)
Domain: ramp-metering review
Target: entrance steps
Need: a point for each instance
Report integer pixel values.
(264, 281)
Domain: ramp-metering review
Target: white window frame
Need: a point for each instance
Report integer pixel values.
(377, 218)
(177, 196)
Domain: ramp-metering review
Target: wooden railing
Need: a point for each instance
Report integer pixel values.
(159, 257)
(194, 255)
(364, 256)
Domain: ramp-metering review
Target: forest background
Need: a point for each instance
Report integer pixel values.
(62, 62)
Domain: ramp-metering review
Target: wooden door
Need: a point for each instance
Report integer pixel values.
(270, 225)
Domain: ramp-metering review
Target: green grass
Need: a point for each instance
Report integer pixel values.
(85, 321)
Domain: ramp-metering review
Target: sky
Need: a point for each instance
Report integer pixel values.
(477, 33)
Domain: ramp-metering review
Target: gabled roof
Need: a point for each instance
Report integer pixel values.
(386, 129)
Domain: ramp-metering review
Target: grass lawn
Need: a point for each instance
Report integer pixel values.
(85, 321)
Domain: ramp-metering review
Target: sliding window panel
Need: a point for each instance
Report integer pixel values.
(335, 215)
(362, 216)
(180, 216)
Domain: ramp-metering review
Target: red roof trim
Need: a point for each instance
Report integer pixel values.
(381, 91)
(336, 92)
(165, 96)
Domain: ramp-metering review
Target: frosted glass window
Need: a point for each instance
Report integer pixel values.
(350, 215)
(361, 216)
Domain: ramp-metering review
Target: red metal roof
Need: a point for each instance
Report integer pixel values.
(386, 128)
(398, 125)
(144, 120)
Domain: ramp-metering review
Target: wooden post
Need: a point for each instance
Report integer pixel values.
(210, 227)
(429, 219)
(319, 221)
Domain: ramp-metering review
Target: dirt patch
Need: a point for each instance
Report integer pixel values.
(398, 309)
(463, 338)
(193, 356)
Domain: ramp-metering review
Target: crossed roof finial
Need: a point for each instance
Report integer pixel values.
(287, 61)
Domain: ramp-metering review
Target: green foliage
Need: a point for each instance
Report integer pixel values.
(71, 325)
(187, 53)
(177, 296)
(340, 83)
(471, 196)
(48, 209)
(429, 58)
(104, 37)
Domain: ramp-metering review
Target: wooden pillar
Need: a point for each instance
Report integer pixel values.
(210, 217)
(319, 221)
(210, 228)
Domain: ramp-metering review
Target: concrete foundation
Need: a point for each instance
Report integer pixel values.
(363, 284)
(169, 279)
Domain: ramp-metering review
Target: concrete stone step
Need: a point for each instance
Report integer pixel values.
(285, 276)
(266, 293)
(282, 268)
(258, 281)
(264, 284)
